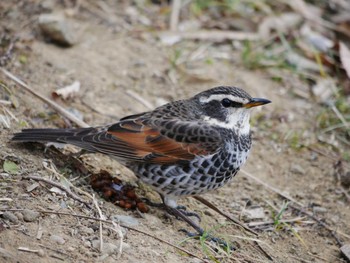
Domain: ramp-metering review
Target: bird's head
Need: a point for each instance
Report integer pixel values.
(228, 107)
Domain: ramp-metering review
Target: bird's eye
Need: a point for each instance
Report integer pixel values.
(226, 103)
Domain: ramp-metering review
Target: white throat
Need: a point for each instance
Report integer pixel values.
(237, 120)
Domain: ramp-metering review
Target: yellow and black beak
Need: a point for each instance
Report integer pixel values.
(256, 102)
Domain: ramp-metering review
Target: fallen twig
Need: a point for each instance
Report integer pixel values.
(212, 206)
(175, 13)
(100, 222)
(141, 100)
(211, 35)
(66, 190)
(273, 189)
(51, 103)
(111, 222)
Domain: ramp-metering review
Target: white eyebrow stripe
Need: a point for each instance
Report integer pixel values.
(220, 97)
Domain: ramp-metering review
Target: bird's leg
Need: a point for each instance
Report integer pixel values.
(163, 205)
(151, 203)
(200, 232)
(183, 210)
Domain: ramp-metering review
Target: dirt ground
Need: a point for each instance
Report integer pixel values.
(113, 56)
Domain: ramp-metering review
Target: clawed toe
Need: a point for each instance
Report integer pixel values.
(188, 213)
(208, 237)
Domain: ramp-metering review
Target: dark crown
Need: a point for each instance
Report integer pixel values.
(234, 91)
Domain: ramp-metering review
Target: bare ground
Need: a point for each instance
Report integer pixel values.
(111, 59)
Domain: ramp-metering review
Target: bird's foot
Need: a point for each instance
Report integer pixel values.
(206, 236)
(188, 213)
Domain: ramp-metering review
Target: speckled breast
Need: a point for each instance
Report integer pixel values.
(202, 174)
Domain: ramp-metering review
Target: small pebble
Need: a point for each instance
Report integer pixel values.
(296, 168)
(71, 249)
(109, 248)
(319, 210)
(346, 251)
(345, 179)
(56, 28)
(41, 253)
(10, 217)
(30, 215)
(254, 213)
(57, 239)
(86, 230)
(127, 220)
(19, 215)
(87, 244)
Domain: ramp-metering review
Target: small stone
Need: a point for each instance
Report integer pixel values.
(345, 179)
(127, 220)
(319, 210)
(87, 244)
(56, 28)
(255, 213)
(10, 217)
(30, 215)
(71, 249)
(57, 239)
(109, 248)
(346, 251)
(296, 168)
(86, 230)
(313, 250)
(19, 215)
(41, 253)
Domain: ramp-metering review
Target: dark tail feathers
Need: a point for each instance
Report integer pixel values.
(48, 135)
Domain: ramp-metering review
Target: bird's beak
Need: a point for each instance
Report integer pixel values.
(256, 102)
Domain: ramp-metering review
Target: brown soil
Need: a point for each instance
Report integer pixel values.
(114, 56)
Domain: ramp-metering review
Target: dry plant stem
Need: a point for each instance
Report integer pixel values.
(139, 99)
(118, 230)
(54, 250)
(67, 191)
(213, 207)
(51, 103)
(175, 13)
(273, 189)
(294, 220)
(53, 170)
(100, 222)
(214, 35)
(263, 251)
(110, 222)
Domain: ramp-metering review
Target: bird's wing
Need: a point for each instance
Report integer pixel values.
(163, 142)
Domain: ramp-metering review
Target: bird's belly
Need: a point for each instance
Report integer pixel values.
(197, 176)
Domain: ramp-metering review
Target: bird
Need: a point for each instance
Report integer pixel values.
(182, 148)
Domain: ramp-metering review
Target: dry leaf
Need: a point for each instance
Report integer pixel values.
(280, 24)
(67, 92)
(344, 54)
